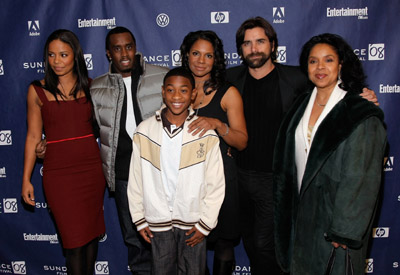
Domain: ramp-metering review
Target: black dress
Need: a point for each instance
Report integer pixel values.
(228, 226)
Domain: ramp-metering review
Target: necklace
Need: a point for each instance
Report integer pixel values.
(200, 103)
(67, 96)
(320, 105)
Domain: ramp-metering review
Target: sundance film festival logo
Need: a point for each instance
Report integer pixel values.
(380, 232)
(388, 164)
(1, 67)
(88, 61)
(242, 269)
(232, 58)
(5, 137)
(59, 270)
(376, 51)
(369, 266)
(19, 267)
(278, 14)
(219, 17)
(281, 54)
(35, 65)
(162, 21)
(176, 58)
(101, 268)
(33, 28)
(10, 205)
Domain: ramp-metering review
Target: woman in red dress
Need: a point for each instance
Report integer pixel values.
(73, 180)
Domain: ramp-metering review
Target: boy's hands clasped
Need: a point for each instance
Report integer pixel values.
(197, 237)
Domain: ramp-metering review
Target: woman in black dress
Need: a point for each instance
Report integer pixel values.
(220, 107)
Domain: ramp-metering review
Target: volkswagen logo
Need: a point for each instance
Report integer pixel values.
(162, 20)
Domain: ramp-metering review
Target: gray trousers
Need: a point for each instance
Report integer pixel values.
(172, 256)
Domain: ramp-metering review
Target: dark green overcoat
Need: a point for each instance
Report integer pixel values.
(339, 190)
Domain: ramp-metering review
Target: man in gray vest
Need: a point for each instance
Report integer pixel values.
(129, 93)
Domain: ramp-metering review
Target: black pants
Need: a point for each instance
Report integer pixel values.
(256, 215)
(139, 252)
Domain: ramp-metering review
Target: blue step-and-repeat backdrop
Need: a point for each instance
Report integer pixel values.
(28, 240)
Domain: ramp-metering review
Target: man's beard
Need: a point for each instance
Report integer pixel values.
(114, 69)
(257, 63)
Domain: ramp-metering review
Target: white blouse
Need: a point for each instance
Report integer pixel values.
(302, 143)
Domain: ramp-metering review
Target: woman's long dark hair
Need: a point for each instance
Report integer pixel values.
(218, 72)
(51, 79)
(351, 73)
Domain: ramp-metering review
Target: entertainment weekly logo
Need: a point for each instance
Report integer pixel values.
(39, 237)
(389, 89)
(97, 22)
(360, 13)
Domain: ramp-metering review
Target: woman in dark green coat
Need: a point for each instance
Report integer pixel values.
(327, 164)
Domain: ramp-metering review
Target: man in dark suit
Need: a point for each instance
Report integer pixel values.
(268, 90)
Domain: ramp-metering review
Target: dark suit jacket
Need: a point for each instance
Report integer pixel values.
(292, 82)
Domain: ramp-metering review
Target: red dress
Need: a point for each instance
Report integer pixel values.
(73, 179)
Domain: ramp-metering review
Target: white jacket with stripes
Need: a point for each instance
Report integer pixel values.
(200, 188)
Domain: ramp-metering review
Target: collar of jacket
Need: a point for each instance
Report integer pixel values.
(189, 118)
(337, 126)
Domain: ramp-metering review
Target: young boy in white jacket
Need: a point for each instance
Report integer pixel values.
(176, 181)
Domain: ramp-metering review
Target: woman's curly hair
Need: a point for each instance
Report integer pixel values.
(351, 73)
(218, 72)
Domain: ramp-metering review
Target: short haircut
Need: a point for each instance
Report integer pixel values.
(117, 30)
(180, 71)
(252, 23)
